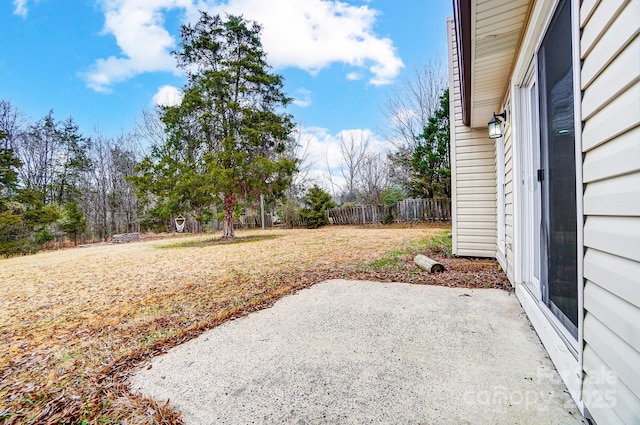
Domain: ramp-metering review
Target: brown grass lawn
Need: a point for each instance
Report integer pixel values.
(74, 324)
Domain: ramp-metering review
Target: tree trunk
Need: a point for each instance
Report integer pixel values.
(229, 205)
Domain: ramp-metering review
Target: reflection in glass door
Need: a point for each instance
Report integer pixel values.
(557, 176)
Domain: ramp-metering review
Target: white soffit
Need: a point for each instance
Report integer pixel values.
(497, 27)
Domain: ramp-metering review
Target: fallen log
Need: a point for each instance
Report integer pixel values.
(427, 264)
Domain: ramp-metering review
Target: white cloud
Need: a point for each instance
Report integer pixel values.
(304, 98)
(306, 34)
(404, 115)
(354, 76)
(138, 26)
(20, 8)
(313, 34)
(167, 96)
(323, 148)
(324, 157)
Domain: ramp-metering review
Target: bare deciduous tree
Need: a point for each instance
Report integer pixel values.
(109, 201)
(53, 155)
(353, 148)
(373, 177)
(13, 124)
(122, 199)
(409, 107)
(407, 113)
(300, 152)
(38, 150)
(97, 204)
(150, 128)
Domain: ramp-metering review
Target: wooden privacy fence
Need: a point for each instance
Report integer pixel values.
(436, 209)
(357, 214)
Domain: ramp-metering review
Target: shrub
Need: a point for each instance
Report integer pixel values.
(317, 202)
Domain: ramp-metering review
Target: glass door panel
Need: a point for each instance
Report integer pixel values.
(557, 175)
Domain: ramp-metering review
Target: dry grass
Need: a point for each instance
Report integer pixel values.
(74, 323)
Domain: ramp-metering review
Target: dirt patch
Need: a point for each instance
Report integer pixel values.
(76, 322)
(464, 272)
(220, 241)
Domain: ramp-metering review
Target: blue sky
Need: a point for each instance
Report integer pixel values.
(104, 61)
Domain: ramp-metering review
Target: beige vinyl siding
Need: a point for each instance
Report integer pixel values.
(509, 207)
(506, 259)
(610, 80)
(473, 197)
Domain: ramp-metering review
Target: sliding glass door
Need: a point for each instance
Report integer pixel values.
(549, 175)
(559, 275)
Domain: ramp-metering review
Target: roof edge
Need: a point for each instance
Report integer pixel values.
(462, 18)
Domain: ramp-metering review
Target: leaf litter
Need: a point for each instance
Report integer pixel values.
(77, 323)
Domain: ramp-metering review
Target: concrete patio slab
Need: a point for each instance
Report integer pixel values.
(348, 352)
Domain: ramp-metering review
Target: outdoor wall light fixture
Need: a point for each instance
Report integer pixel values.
(495, 125)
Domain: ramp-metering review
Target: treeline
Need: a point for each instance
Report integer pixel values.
(416, 167)
(57, 183)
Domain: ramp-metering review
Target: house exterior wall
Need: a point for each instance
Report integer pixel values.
(610, 80)
(473, 175)
(601, 371)
(509, 180)
(504, 252)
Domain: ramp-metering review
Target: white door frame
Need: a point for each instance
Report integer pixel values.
(529, 163)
